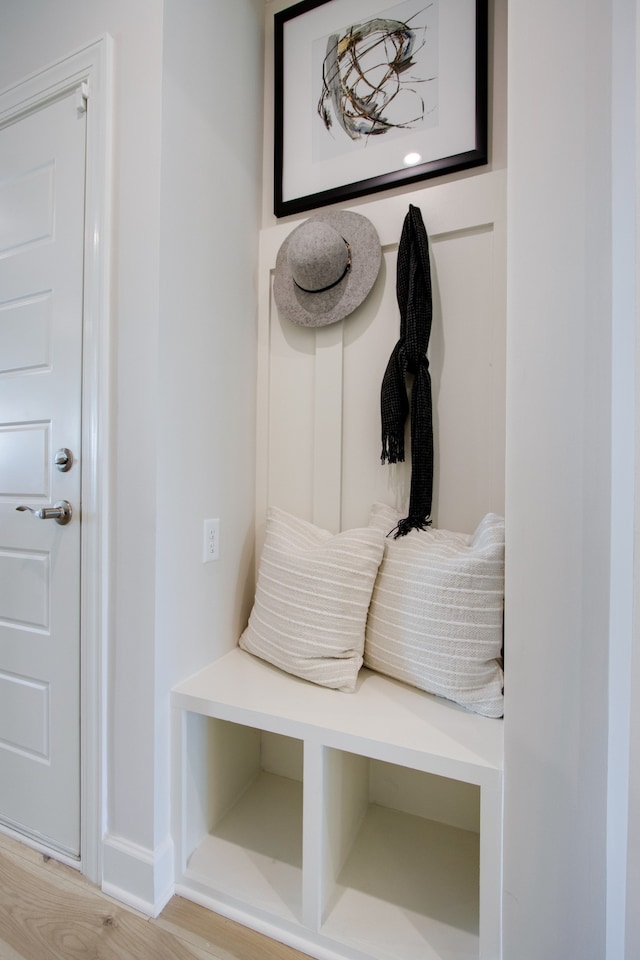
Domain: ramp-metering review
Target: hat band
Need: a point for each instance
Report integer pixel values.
(335, 283)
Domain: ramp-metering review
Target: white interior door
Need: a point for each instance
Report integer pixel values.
(42, 194)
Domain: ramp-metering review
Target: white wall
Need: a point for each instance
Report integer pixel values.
(558, 479)
(210, 206)
(628, 18)
(623, 857)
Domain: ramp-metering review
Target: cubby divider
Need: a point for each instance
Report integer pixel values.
(313, 841)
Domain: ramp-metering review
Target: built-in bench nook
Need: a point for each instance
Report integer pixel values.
(364, 825)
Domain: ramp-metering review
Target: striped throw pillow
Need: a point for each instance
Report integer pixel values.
(312, 599)
(435, 619)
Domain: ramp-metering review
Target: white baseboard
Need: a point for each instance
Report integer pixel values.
(135, 875)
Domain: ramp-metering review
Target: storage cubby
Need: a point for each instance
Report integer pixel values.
(402, 849)
(243, 795)
(364, 825)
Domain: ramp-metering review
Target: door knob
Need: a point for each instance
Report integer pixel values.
(61, 512)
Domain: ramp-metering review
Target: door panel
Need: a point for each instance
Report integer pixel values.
(25, 333)
(26, 201)
(25, 586)
(24, 468)
(42, 176)
(24, 716)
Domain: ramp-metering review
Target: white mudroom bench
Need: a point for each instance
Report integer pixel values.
(363, 825)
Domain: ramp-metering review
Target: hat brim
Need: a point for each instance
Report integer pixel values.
(329, 306)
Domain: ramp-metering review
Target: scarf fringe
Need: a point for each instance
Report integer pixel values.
(409, 523)
(392, 449)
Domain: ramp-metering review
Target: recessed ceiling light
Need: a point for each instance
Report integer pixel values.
(411, 159)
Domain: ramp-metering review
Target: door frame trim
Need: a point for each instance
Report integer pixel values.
(91, 65)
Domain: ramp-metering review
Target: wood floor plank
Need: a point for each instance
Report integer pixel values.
(49, 911)
(45, 920)
(228, 940)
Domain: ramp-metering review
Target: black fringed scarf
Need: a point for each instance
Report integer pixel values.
(409, 355)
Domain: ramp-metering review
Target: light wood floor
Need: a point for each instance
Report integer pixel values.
(49, 912)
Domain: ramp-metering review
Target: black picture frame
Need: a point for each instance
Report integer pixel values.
(458, 33)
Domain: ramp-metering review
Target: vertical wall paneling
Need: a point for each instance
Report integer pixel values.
(318, 451)
(327, 426)
(263, 384)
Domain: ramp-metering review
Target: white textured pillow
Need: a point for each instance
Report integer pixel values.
(312, 599)
(435, 619)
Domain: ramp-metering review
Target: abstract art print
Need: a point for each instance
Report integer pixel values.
(369, 96)
(379, 78)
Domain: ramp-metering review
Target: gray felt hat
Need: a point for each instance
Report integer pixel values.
(326, 267)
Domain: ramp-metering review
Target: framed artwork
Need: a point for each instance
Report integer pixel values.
(369, 96)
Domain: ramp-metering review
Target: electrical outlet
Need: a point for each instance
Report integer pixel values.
(211, 541)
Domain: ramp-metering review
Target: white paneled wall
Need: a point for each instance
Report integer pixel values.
(319, 389)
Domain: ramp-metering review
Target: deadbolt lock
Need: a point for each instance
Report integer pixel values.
(63, 459)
